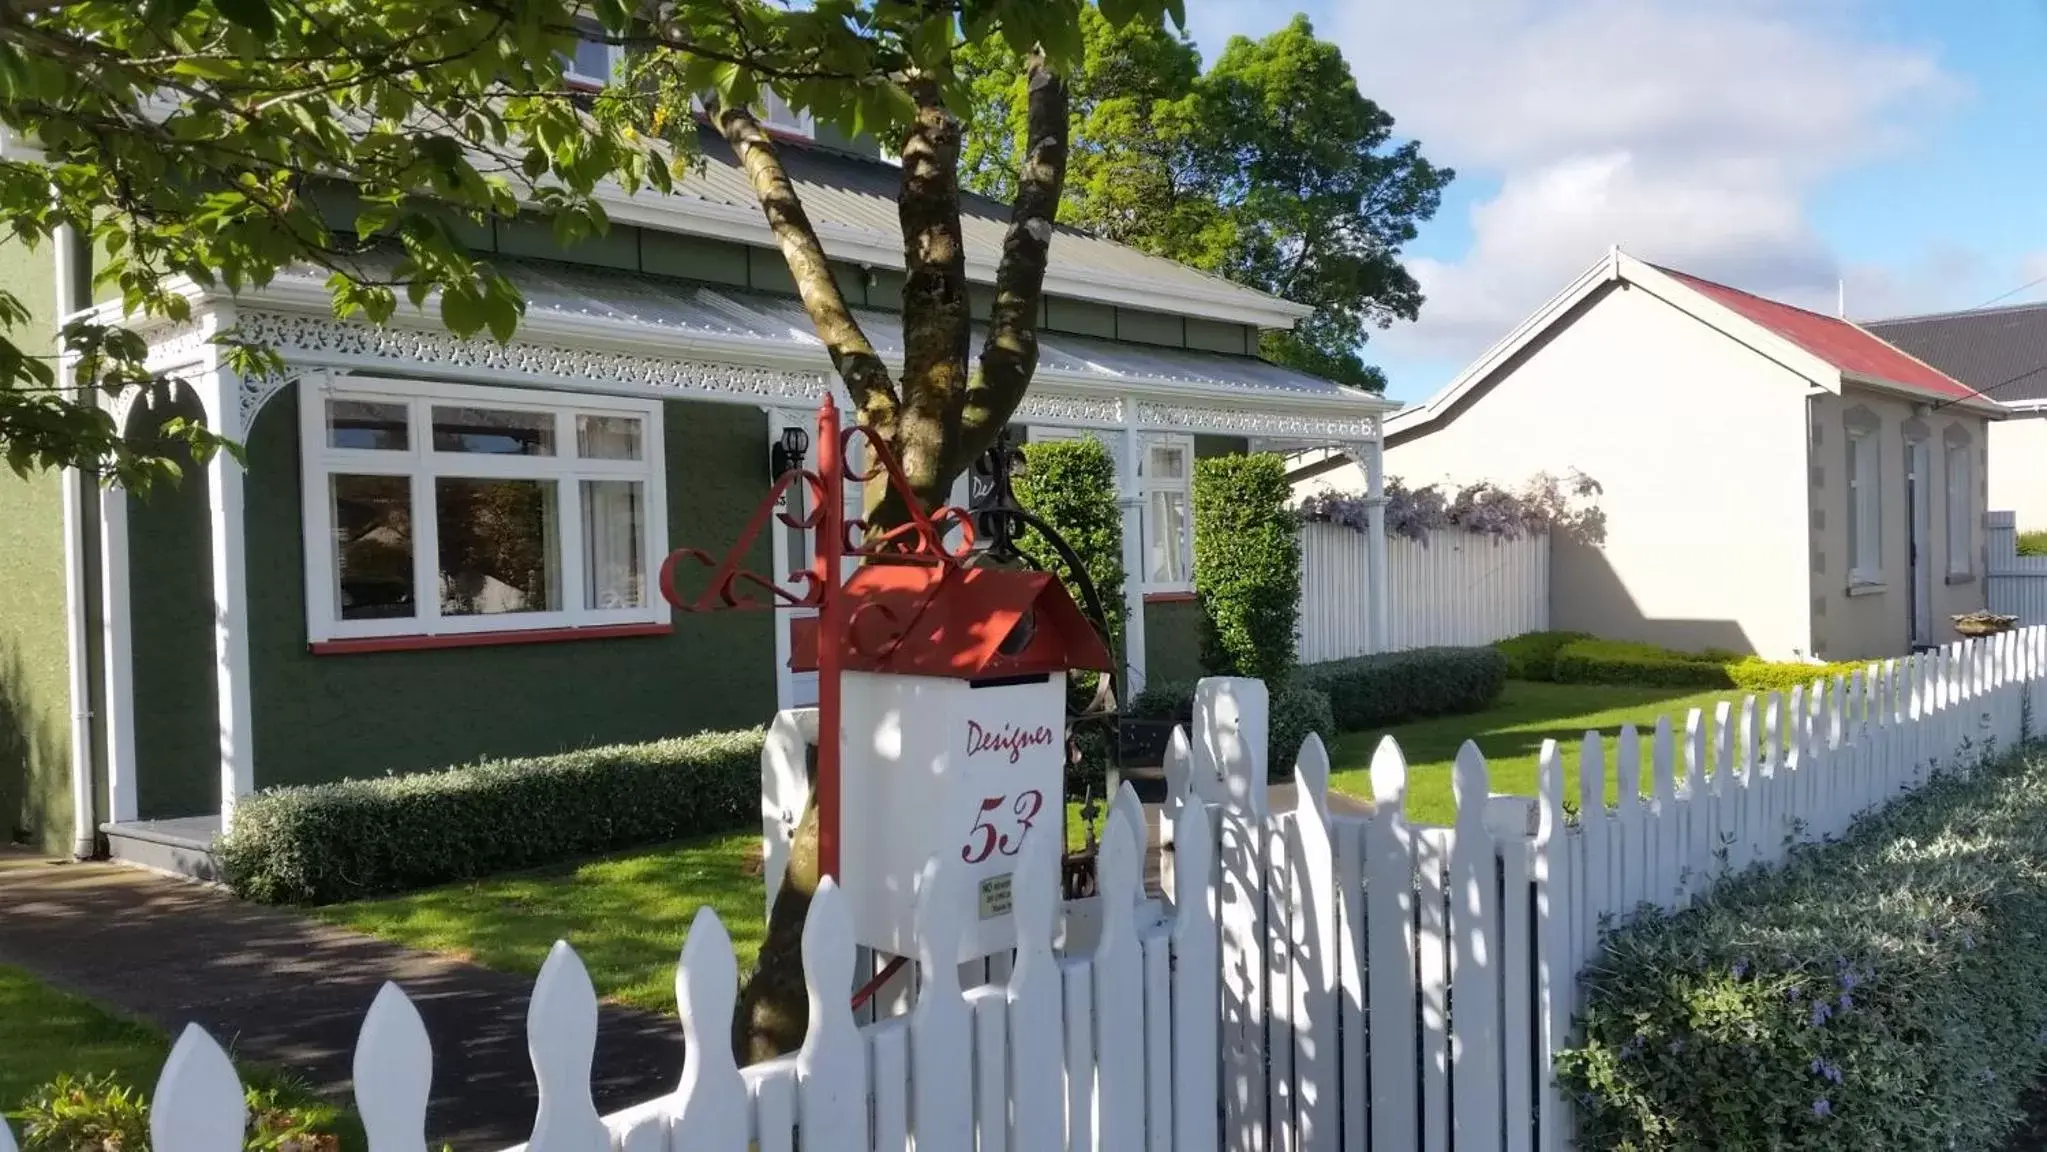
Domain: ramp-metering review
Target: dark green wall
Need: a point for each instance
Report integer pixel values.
(325, 717)
(1172, 640)
(170, 589)
(35, 734)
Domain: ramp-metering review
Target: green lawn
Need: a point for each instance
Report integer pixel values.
(1510, 734)
(45, 1032)
(625, 915)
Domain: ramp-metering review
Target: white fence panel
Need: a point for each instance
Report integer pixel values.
(2016, 585)
(1455, 588)
(1316, 982)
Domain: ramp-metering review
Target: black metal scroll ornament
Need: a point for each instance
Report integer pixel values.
(1000, 523)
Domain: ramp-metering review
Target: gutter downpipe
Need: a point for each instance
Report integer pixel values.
(72, 297)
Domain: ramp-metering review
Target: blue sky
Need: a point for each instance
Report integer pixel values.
(1784, 146)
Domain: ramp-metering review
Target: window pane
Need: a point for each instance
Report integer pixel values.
(1168, 462)
(373, 424)
(372, 547)
(614, 571)
(1165, 529)
(608, 437)
(498, 546)
(493, 431)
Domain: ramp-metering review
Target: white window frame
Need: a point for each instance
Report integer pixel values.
(1146, 486)
(776, 115)
(423, 465)
(1865, 531)
(1961, 535)
(611, 58)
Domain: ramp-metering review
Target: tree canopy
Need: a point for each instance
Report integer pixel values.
(1270, 168)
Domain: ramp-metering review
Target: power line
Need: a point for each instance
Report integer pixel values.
(2013, 292)
(1985, 392)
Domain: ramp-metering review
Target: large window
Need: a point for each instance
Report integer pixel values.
(1865, 508)
(1165, 480)
(1165, 491)
(432, 510)
(1961, 535)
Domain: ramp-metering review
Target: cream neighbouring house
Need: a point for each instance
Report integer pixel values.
(1774, 480)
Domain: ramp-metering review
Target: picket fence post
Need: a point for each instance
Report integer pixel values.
(1036, 1047)
(1390, 949)
(711, 1101)
(394, 1071)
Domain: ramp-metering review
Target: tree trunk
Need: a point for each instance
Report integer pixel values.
(941, 419)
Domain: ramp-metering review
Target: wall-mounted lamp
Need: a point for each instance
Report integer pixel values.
(788, 452)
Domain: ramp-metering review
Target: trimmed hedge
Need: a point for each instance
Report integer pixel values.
(1888, 991)
(1297, 712)
(2033, 543)
(1247, 566)
(1533, 655)
(1391, 687)
(330, 842)
(1576, 658)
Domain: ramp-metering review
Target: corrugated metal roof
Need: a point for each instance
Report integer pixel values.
(686, 307)
(2001, 352)
(1845, 346)
(858, 193)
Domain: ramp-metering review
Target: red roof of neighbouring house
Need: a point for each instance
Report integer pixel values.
(1838, 342)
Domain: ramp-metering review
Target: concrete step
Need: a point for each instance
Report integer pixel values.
(182, 846)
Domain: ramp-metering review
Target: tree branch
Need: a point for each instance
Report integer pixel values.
(865, 374)
(1010, 356)
(937, 329)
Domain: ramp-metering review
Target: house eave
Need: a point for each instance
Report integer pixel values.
(695, 216)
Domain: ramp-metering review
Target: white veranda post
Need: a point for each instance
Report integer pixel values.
(227, 412)
(1128, 447)
(1371, 453)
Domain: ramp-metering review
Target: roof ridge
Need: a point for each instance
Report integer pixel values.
(1959, 313)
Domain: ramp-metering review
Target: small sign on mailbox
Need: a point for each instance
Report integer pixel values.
(953, 739)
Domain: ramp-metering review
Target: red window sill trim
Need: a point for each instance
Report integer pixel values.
(1168, 597)
(484, 639)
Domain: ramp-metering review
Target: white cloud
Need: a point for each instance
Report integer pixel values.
(1690, 134)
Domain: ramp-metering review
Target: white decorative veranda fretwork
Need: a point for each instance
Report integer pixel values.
(317, 337)
(256, 391)
(1039, 406)
(1204, 418)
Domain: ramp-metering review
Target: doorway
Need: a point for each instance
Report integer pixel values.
(1918, 519)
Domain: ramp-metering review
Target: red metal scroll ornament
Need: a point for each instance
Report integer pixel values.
(920, 539)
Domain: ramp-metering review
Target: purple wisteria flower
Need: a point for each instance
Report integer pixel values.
(1821, 1012)
(1821, 1108)
(1826, 1069)
(1741, 968)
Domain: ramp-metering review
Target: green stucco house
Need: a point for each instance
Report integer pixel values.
(441, 548)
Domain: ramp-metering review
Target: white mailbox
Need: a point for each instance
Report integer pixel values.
(952, 739)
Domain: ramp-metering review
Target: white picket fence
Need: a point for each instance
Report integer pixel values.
(1293, 994)
(1456, 588)
(2015, 585)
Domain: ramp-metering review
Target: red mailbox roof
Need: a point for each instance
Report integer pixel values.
(937, 620)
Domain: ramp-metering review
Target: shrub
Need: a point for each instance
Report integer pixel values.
(1885, 991)
(1590, 661)
(1629, 662)
(100, 1114)
(1752, 675)
(1247, 566)
(1391, 687)
(355, 838)
(1071, 485)
(1296, 711)
(1533, 655)
(2033, 543)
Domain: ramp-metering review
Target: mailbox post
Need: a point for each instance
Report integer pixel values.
(941, 695)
